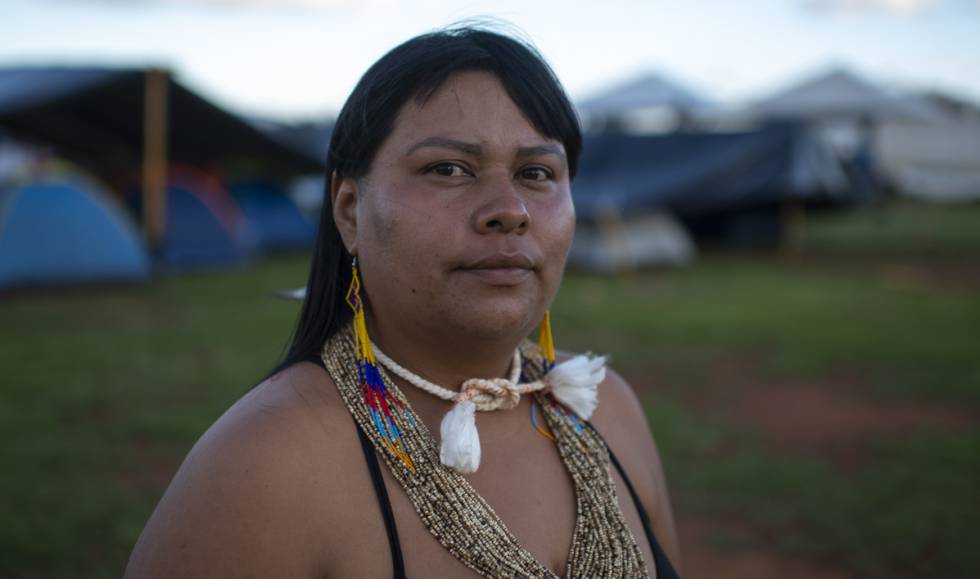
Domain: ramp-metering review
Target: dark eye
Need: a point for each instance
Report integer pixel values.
(535, 174)
(448, 170)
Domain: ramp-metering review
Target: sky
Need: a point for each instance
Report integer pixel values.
(299, 59)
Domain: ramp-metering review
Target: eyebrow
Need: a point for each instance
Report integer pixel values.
(475, 149)
(445, 143)
(537, 150)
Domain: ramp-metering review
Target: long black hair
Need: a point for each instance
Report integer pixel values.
(416, 69)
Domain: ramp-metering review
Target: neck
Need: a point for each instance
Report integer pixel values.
(446, 361)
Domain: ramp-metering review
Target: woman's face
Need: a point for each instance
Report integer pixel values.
(465, 219)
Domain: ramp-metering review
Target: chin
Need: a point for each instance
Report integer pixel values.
(496, 320)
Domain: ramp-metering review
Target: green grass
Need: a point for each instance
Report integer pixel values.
(105, 389)
(900, 229)
(909, 511)
(795, 319)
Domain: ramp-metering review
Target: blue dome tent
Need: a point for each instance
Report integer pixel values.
(273, 217)
(195, 235)
(66, 231)
(204, 227)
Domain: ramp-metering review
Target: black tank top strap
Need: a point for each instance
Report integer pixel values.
(381, 493)
(371, 458)
(660, 561)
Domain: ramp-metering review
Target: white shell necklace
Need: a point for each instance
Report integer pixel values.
(573, 382)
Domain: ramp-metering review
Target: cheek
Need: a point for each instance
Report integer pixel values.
(407, 233)
(557, 224)
(383, 226)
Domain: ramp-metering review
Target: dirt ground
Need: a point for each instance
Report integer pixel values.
(831, 419)
(741, 556)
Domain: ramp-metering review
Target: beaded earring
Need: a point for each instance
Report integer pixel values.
(373, 389)
(545, 340)
(573, 383)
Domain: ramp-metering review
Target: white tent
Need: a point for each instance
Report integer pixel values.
(612, 243)
(841, 94)
(649, 103)
(924, 147)
(649, 90)
(937, 161)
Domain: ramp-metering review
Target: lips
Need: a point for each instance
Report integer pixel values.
(502, 261)
(501, 269)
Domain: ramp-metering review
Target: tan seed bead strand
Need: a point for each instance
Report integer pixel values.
(462, 521)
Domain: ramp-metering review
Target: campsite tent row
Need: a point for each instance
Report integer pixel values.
(106, 119)
(722, 185)
(918, 145)
(67, 229)
(718, 184)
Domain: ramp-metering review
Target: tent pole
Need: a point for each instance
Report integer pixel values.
(155, 156)
(793, 225)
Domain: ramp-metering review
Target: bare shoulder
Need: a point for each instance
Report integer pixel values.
(252, 495)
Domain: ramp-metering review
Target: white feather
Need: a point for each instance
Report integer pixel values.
(575, 383)
(460, 448)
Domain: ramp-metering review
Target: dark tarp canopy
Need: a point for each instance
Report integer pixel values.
(313, 137)
(95, 115)
(700, 173)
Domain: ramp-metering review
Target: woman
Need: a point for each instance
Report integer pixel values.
(449, 172)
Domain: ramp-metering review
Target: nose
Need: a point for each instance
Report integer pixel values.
(506, 213)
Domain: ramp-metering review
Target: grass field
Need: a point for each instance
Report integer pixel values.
(105, 389)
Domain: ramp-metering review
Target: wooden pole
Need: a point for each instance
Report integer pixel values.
(793, 226)
(155, 124)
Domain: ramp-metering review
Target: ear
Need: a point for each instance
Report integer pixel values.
(343, 201)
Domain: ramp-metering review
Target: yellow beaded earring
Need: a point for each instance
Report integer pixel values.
(545, 340)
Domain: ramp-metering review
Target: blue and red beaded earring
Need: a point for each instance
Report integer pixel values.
(373, 390)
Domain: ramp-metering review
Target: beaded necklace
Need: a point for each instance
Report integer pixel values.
(454, 513)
